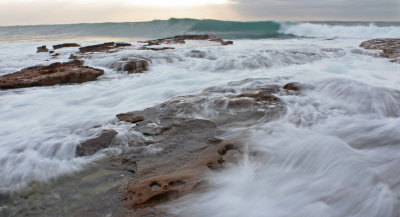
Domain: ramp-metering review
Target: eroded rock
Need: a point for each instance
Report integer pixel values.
(101, 141)
(132, 65)
(390, 47)
(185, 133)
(56, 73)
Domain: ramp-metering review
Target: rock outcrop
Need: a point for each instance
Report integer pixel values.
(103, 47)
(182, 142)
(59, 46)
(180, 39)
(390, 47)
(132, 65)
(56, 73)
(42, 49)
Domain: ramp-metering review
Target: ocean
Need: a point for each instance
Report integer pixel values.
(334, 152)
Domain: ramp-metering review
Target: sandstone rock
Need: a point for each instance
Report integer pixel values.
(188, 148)
(98, 47)
(129, 117)
(56, 73)
(101, 141)
(59, 46)
(132, 65)
(390, 47)
(42, 49)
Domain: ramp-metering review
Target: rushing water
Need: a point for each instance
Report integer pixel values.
(335, 152)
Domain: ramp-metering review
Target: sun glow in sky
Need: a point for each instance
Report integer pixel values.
(175, 3)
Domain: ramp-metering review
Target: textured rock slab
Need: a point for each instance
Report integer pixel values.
(59, 46)
(390, 47)
(185, 131)
(56, 73)
(103, 47)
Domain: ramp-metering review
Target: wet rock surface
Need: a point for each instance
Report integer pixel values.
(56, 73)
(390, 47)
(180, 39)
(42, 49)
(184, 142)
(132, 65)
(101, 141)
(103, 47)
(59, 46)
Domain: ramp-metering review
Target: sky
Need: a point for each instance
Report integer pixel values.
(30, 12)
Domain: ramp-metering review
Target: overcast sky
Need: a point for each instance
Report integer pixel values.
(27, 12)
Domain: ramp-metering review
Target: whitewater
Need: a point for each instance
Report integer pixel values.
(334, 152)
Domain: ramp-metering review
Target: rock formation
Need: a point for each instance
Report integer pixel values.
(188, 147)
(390, 47)
(59, 46)
(56, 73)
(102, 47)
(42, 49)
(180, 39)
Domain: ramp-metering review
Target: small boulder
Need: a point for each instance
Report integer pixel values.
(129, 117)
(101, 141)
(42, 49)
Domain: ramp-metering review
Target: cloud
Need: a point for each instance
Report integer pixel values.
(320, 10)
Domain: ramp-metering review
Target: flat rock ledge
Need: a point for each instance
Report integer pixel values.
(390, 47)
(180, 39)
(56, 73)
(189, 148)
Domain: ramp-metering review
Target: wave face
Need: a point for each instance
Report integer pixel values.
(222, 29)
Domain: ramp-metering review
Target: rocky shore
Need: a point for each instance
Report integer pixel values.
(178, 144)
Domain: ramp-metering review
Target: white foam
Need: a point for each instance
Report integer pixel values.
(339, 31)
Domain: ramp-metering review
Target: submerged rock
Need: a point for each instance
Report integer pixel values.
(101, 141)
(132, 65)
(390, 47)
(56, 73)
(59, 46)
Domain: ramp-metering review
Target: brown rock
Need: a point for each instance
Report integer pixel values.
(101, 141)
(226, 42)
(154, 190)
(56, 73)
(122, 44)
(98, 47)
(292, 86)
(42, 49)
(132, 65)
(390, 47)
(59, 46)
(129, 117)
